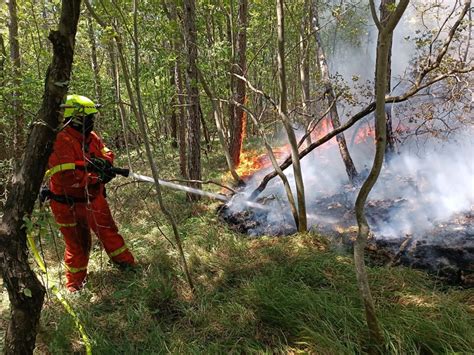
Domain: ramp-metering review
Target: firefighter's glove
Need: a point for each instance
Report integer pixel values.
(44, 194)
(103, 168)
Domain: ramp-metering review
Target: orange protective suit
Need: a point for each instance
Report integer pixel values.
(87, 207)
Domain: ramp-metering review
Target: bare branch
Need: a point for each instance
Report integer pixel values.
(254, 89)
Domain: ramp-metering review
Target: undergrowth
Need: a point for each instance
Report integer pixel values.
(253, 295)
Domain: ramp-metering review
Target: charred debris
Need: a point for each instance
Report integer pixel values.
(444, 249)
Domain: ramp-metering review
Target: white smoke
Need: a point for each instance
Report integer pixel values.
(432, 185)
(430, 179)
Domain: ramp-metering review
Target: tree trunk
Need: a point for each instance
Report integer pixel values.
(182, 119)
(94, 63)
(238, 118)
(4, 152)
(138, 113)
(194, 133)
(304, 68)
(16, 106)
(218, 117)
(25, 292)
(3, 58)
(385, 11)
(283, 112)
(331, 97)
(383, 48)
(180, 102)
(118, 101)
(173, 115)
(154, 168)
(205, 131)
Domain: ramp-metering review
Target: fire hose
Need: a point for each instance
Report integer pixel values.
(129, 174)
(45, 193)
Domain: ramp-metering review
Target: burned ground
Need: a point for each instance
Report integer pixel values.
(445, 250)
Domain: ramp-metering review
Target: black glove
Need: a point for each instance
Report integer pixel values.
(103, 168)
(44, 194)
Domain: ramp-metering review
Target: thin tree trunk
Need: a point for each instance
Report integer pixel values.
(94, 63)
(238, 118)
(386, 7)
(193, 131)
(4, 152)
(331, 97)
(119, 102)
(138, 113)
(205, 131)
(177, 44)
(304, 66)
(220, 132)
(173, 115)
(383, 49)
(154, 168)
(283, 112)
(3, 58)
(16, 106)
(182, 120)
(25, 292)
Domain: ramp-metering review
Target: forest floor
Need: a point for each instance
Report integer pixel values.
(253, 295)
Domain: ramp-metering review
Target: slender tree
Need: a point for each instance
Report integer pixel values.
(385, 30)
(304, 63)
(25, 292)
(386, 8)
(218, 117)
(173, 117)
(3, 57)
(283, 112)
(139, 113)
(182, 118)
(331, 97)
(193, 131)
(171, 11)
(94, 61)
(238, 117)
(16, 105)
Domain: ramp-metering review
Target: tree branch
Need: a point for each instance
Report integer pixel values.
(373, 11)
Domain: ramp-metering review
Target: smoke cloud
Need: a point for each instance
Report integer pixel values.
(428, 182)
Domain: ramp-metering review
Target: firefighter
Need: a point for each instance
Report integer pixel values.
(79, 167)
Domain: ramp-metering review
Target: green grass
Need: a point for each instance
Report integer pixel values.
(267, 295)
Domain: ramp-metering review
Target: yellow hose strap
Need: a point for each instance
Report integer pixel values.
(118, 251)
(58, 168)
(59, 296)
(35, 252)
(75, 269)
(105, 150)
(67, 224)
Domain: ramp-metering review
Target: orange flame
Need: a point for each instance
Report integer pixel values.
(251, 161)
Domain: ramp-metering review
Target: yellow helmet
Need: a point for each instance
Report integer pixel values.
(77, 105)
